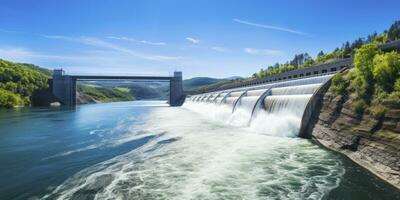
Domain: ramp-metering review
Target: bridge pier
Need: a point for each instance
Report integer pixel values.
(64, 86)
(176, 94)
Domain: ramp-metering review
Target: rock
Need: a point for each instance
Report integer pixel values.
(353, 145)
(360, 137)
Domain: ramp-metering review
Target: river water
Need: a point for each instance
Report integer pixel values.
(147, 150)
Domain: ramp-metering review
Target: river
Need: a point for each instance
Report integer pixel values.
(147, 150)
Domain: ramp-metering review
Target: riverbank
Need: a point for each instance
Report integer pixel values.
(373, 144)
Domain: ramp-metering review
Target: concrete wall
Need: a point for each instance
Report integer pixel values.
(312, 105)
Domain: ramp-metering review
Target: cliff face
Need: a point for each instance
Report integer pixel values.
(374, 144)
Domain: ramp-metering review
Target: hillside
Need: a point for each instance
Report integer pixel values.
(20, 83)
(359, 115)
(87, 93)
(189, 84)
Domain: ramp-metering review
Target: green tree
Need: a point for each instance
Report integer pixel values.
(386, 69)
(364, 59)
(394, 31)
(9, 99)
(21, 80)
(320, 54)
(346, 50)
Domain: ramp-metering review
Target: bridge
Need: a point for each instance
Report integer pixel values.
(64, 86)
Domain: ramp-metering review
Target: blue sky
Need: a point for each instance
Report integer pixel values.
(215, 38)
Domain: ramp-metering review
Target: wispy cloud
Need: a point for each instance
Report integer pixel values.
(264, 52)
(139, 41)
(271, 27)
(122, 38)
(153, 43)
(220, 49)
(96, 42)
(193, 40)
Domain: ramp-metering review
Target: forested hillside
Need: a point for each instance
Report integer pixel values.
(88, 93)
(19, 83)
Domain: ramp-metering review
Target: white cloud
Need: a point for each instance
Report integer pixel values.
(92, 41)
(122, 38)
(192, 40)
(141, 41)
(220, 49)
(265, 52)
(265, 26)
(153, 43)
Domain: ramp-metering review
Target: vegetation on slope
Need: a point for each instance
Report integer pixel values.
(105, 93)
(374, 82)
(19, 83)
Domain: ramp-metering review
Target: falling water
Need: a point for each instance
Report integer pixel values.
(272, 109)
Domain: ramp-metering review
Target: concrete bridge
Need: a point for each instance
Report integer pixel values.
(64, 86)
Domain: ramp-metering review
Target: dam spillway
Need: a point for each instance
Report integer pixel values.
(272, 109)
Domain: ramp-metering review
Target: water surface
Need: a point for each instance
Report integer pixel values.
(146, 150)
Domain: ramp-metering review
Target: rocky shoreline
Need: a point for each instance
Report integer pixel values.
(373, 144)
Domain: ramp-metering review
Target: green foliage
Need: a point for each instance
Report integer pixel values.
(394, 31)
(394, 97)
(9, 99)
(339, 84)
(359, 106)
(377, 111)
(44, 71)
(386, 68)
(21, 80)
(397, 85)
(360, 87)
(381, 38)
(105, 94)
(364, 59)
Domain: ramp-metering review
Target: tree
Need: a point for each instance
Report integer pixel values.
(346, 50)
(320, 54)
(364, 59)
(394, 31)
(386, 70)
(9, 99)
(372, 37)
(21, 81)
(357, 44)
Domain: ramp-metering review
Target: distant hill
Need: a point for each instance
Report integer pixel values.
(198, 82)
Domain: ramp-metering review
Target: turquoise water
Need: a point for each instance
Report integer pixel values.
(146, 150)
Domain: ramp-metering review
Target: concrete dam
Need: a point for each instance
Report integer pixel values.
(275, 108)
(280, 104)
(277, 104)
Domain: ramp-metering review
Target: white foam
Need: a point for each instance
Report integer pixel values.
(206, 159)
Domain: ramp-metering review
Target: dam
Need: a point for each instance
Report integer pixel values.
(281, 104)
